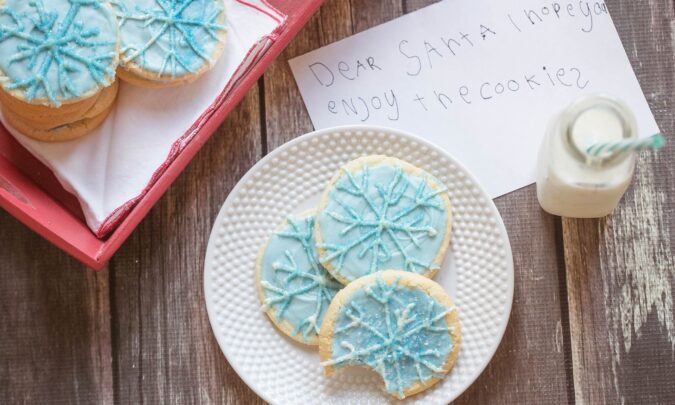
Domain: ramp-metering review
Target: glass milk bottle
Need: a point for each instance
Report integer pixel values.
(570, 181)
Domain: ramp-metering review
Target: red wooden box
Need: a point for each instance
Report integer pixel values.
(30, 192)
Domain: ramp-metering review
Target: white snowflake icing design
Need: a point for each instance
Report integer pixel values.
(52, 45)
(299, 283)
(397, 340)
(166, 20)
(391, 221)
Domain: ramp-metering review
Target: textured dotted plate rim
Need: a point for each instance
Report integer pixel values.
(216, 294)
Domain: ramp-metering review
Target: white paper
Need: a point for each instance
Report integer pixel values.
(114, 165)
(424, 73)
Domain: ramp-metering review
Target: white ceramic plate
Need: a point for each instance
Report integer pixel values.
(477, 272)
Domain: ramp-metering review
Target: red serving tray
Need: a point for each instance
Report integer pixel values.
(30, 192)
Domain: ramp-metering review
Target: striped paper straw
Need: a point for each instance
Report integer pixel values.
(630, 145)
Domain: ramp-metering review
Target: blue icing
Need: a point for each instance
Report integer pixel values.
(169, 37)
(381, 218)
(57, 50)
(399, 332)
(294, 283)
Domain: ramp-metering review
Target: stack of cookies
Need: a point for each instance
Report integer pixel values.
(57, 64)
(59, 59)
(353, 275)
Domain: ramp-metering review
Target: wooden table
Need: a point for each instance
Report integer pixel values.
(592, 318)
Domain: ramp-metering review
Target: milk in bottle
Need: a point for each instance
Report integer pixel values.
(570, 181)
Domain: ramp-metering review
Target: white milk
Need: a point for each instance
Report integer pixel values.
(572, 183)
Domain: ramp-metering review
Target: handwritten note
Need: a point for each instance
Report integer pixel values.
(480, 78)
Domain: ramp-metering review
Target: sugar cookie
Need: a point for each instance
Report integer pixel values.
(57, 52)
(293, 287)
(169, 42)
(60, 133)
(101, 103)
(49, 115)
(380, 212)
(401, 324)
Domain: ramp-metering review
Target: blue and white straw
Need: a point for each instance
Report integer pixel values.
(602, 149)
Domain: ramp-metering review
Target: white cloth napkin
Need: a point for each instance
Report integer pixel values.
(110, 169)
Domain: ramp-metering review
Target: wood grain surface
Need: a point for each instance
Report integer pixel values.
(592, 319)
(620, 269)
(163, 349)
(54, 323)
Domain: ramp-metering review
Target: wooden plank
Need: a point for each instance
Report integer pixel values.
(285, 113)
(164, 349)
(620, 269)
(530, 366)
(54, 323)
(412, 5)
(368, 13)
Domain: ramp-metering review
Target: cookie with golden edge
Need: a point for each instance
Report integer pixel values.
(68, 112)
(61, 133)
(168, 43)
(57, 52)
(152, 84)
(402, 325)
(101, 103)
(380, 212)
(105, 100)
(294, 289)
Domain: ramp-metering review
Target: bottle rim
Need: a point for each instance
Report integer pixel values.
(579, 107)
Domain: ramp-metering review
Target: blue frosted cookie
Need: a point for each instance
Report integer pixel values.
(169, 42)
(400, 324)
(294, 288)
(379, 213)
(55, 52)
